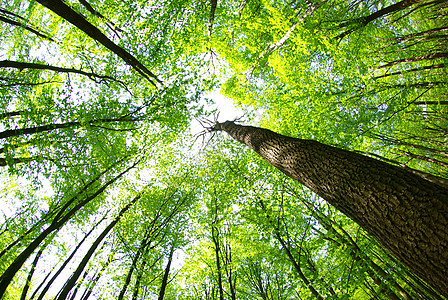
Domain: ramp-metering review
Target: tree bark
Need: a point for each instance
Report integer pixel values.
(214, 4)
(407, 214)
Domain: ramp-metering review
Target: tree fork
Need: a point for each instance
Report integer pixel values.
(407, 214)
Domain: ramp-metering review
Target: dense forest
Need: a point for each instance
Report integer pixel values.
(120, 180)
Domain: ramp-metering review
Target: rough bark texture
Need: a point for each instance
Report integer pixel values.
(405, 213)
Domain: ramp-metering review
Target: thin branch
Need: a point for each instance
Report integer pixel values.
(37, 66)
(22, 25)
(63, 10)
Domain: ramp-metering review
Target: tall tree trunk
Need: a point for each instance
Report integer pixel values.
(407, 214)
(33, 227)
(215, 238)
(363, 21)
(36, 66)
(38, 129)
(36, 290)
(22, 25)
(426, 57)
(138, 280)
(97, 277)
(166, 273)
(72, 280)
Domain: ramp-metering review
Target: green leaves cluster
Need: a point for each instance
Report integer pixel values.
(83, 134)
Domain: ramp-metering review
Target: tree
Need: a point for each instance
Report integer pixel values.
(86, 85)
(397, 207)
(64, 214)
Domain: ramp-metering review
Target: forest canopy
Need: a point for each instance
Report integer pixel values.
(114, 184)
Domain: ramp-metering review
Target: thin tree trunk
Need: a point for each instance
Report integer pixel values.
(215, 239)
(431, 103)
(89, 7)
(57, 223)
(138, 280)
(363, 21)
(228, 267)
(24, 65)
(30, 274)
(290, 256)
(416, 58)
(357, 254)
(9, 114)
(35, 226)
(397, 141)
(143, 245)
(274, 46)
(166, 274)
(42, 282)
(412, 70)
(97, 277)
(423, 33)
(424, 158)
(38, 129)
(4, 163)
(407, 214)
(23, 25)
(69, 258)
(67, 13)
(72, 280)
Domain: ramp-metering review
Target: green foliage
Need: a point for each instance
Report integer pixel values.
(311, 69)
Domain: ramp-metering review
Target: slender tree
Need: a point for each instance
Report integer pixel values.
(286, 248)
(405, 213)
(60, 219)
(167, 272)
(69, 258)
(72, 280)
(144, 244)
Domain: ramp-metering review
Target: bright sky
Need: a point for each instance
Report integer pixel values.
(227, 111)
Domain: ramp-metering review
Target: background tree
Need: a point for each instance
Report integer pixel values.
(88, 88)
